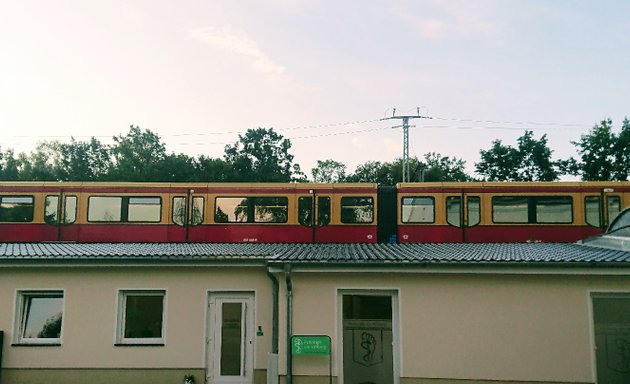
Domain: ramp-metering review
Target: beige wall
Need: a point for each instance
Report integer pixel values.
(89, 319)
(461, 326)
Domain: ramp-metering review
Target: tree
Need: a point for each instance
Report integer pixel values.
(262, 155)
(137, 156)
(42, 164)
(603, 155)
(10, 166)
(443, 168)
(530, 161)
(84, 161)
(329, 171)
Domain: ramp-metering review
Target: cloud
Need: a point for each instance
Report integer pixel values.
(238, 42)
(450, 19)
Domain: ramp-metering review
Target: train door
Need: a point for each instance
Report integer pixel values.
(463, 216)
(314, 213)
(612, 206)
(60, 215)
(187, 214)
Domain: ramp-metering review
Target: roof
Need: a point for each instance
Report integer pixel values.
(541, 254)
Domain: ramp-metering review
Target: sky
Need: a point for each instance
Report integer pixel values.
(323, 73)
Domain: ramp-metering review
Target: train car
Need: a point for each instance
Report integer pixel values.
(507, 211)
(179, 212)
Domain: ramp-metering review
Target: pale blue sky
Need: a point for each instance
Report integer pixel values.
(320, 72)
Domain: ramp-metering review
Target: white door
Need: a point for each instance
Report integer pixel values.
(230, 345)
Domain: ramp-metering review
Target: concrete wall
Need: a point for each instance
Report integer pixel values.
(89, 320)
(502, 328)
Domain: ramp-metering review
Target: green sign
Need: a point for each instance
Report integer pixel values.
(310, 345)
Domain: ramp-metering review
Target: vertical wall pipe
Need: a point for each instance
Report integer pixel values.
(287, 276)
(274, 326)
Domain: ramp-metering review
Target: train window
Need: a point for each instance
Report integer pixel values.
(104, 208)
(323, 210)
(532, 209)
(453, 210)
(251, 209)
(305, 209)
(51, 210)
(591, 211)
(357, 210)
(270, 209)
(17, 209)
(124, 209)
(418, 209)
(179, 210)
(197, 210)
(510, 209)
(474, 210)
(231, 210)
(614, 207)
(144, 209)
(70, 210)
(554, 209)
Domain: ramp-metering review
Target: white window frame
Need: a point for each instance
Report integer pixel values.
(121, 318)
(20, 320)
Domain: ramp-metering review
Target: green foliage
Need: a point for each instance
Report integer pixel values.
(530, 161)
(329, 171)
(603, 155)
(83, 161)
(137, 156)
(262, 155)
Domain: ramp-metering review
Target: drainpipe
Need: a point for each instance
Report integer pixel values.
(287, 276)
(1, 347)
(272, 362)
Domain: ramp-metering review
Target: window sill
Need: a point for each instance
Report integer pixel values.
(36, 344)
(139, 345)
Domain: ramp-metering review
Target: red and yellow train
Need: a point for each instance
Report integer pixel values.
(304, 213)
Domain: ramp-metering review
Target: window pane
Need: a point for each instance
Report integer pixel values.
(510, 209)
(270, 209)
(621, 222)
(144, 209)
(357, 210)
(231, 339)
(102, 208)
(305, 211)
(197, 210)
(611, 317)
(51, 210)
(41, 316)
(231, 210)
(554, 209)
(323, 210)
(453, 210)
(474, 210)
(614, 207)
(16, 209)
(593, 217)
(143, 316)
(179, 210)
(418, 209)
(70, 210)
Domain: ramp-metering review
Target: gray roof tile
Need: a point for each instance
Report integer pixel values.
(434, 253)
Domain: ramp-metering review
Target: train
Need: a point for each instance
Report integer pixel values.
(427, 212)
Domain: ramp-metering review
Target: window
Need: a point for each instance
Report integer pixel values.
(16, 209)
(305, 211)
(614, 207)
(591, 206)
(70, 210)
(143, 209)
(51, 209)
(418, 209)
(474, 210)
(453, 210)
(532, 209)
(179, 210)
(251, 209)
(141, 317)
(611, 321)
(39, 317)
(323, 210)
(357, 210)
